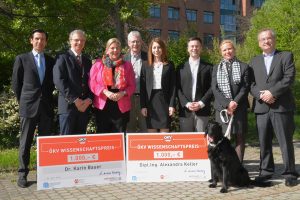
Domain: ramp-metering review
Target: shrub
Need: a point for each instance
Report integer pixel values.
(9, 123)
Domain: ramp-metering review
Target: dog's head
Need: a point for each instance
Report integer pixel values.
(214, 132)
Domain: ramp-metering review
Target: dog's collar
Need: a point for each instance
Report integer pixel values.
(214, 145)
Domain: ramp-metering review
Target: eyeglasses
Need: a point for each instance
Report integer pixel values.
(135, 41)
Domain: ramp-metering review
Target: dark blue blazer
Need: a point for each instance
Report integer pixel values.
(27, 87)
(71, 80)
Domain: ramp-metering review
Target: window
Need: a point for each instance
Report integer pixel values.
(208, 40)
(191, 15)
(155, 32)
(155, 11)
(173, 13)
(257, 3)
(173, 35)
(228, 23)
(228, 5)
(208, 17)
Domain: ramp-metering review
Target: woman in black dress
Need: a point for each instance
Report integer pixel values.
(157, 88)
(230, 86)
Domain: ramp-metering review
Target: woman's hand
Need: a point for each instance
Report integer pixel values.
(119, 95)
(231, 107)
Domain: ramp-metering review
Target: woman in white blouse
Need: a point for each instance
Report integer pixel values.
(158, 88)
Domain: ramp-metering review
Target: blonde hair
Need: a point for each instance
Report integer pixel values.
(225, 42)
(111, 41)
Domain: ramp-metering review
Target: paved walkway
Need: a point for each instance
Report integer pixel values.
(161, 191)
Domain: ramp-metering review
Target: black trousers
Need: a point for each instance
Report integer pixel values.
(111, 119)
(44, 122)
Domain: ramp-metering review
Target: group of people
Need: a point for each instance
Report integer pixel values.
(137, 92)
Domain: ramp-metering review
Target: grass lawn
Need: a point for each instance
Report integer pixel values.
(9, 160)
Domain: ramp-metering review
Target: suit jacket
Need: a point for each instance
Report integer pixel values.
(97, 86)
(239, 92)
(27, 87)
(71, 80)
(167, 83)
(144, 57)
(203, 88)
(279, 82)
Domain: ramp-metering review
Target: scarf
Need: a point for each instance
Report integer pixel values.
(223, 77)
(114, 73)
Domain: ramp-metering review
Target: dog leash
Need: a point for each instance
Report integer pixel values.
(226, 119)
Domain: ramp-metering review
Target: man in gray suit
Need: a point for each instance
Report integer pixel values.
(273, 76)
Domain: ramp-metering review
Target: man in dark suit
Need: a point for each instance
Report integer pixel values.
(32, 84)
(70, 75)
(194, 90)
(137, 58)
(273, 76)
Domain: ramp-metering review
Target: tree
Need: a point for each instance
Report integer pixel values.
(284, 18)
(100, 20)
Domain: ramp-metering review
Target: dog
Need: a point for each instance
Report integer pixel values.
(225, 164)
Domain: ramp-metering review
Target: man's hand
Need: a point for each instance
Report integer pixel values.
(267, 97)
(86, 103)
(144, 112)
(194, 106)
(171, 111)
(79, 105)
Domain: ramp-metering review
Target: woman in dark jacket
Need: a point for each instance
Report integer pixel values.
(230, 86)
(158, 88)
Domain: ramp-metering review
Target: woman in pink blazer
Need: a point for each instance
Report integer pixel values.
(112, 82)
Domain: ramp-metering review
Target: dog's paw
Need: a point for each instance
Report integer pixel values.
(223, 190)
(212, 185)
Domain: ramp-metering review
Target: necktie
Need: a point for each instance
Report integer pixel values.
(41, 68)
(79, 61)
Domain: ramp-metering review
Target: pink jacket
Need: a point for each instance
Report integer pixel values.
(96, 85)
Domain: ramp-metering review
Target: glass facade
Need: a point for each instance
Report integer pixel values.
(228, 22)
(228, 5)
(228, 14)
(257, 3)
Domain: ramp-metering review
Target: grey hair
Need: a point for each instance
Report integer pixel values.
(134, 33)
(77, 31)
(267, 29)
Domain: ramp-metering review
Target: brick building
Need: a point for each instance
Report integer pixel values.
(204, 18)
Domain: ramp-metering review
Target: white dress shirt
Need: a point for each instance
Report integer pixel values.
(268, 58)
(194, 67)
(157, 72)
(136, 62)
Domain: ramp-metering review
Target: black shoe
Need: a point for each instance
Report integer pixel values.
(22, 182)
(290, 182)
(263, 178)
